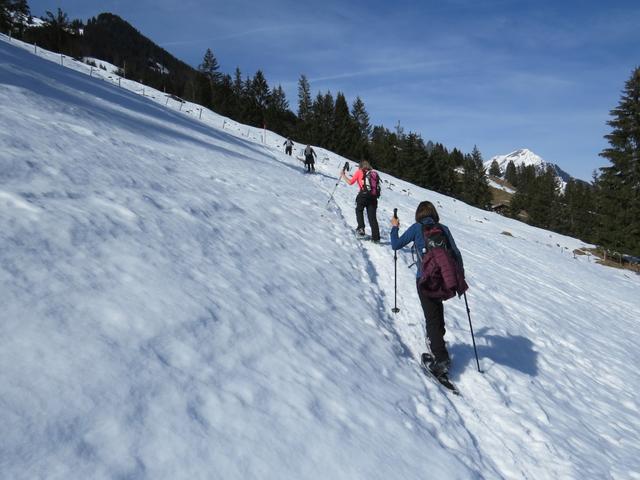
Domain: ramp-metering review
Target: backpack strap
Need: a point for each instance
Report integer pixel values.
(366, 177)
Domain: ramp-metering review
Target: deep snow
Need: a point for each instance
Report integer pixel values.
(179, 302)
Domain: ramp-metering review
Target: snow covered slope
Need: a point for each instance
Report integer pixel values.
(527, 157)
(178, 302)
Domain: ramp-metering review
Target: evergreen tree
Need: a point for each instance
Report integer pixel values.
(577, 215)
(76, 26)
(494, 170)
(209, 67)
(384, 149)
(237, 89)
(436, 166)
(305, 108)
(56, 26)
(457, 158)
(411, 158)
(543, 200)
(276, 115)
(224, 100)
(430, 146)
(448, 176)
(5, 16)
(620, 181)
(322, 122)
(344, 128)
(510, 174)
(257, 99)
(475, 189)
(362, 130)
(15, 15)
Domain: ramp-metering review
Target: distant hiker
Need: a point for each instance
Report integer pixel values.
(440, 276)
(309, 160)
(288, 146)
(369, 183)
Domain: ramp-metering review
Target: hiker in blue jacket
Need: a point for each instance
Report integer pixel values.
(433, 309)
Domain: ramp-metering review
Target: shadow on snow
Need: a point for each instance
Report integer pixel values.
(513, 351)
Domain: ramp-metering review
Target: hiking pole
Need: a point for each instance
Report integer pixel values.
(471, 327)
(395, 308)
(345, 168)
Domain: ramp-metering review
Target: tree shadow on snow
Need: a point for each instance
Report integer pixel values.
(513, 351)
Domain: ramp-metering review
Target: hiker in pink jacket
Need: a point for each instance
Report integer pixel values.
(369, 185)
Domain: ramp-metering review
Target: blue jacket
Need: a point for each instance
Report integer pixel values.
(414, 234)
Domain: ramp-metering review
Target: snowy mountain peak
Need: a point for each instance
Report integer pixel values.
(522, 156)
(526, 157)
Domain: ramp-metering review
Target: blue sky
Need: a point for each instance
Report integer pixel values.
(497, 73)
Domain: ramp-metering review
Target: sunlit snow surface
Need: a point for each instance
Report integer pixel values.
(177, 301)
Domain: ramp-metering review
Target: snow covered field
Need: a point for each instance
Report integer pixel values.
(177, 301)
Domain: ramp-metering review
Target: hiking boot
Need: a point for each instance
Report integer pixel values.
(439, 368)
(360, 232)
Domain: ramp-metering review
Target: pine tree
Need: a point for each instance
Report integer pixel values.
(457, 158)
(474, 189)
(410, 158)
(304, 109)
(209, 67)
(257, 99)
(344, 127)
(362, 129)
(237, 89)
(224, 99)
(483, 193)
(494, 170)
(276, 117)
(543, 200)
(510, 173)
(619, 183)
(56, 26)
(384, 149)
(5, 17)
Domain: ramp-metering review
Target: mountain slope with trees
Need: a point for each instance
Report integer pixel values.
(605, 211)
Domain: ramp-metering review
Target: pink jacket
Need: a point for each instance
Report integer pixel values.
(357, 177)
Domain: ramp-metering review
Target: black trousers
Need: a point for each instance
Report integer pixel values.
(310, 164)
(434, 316)
(368, 201)
(288, 150)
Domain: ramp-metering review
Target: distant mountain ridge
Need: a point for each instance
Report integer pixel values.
(526, 157)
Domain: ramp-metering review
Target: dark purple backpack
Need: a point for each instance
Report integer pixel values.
(371, 183)
(441, 276)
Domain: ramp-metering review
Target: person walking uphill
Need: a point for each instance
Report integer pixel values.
(369, 183)
(440, 276)
(309, 160)
(288, 146)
